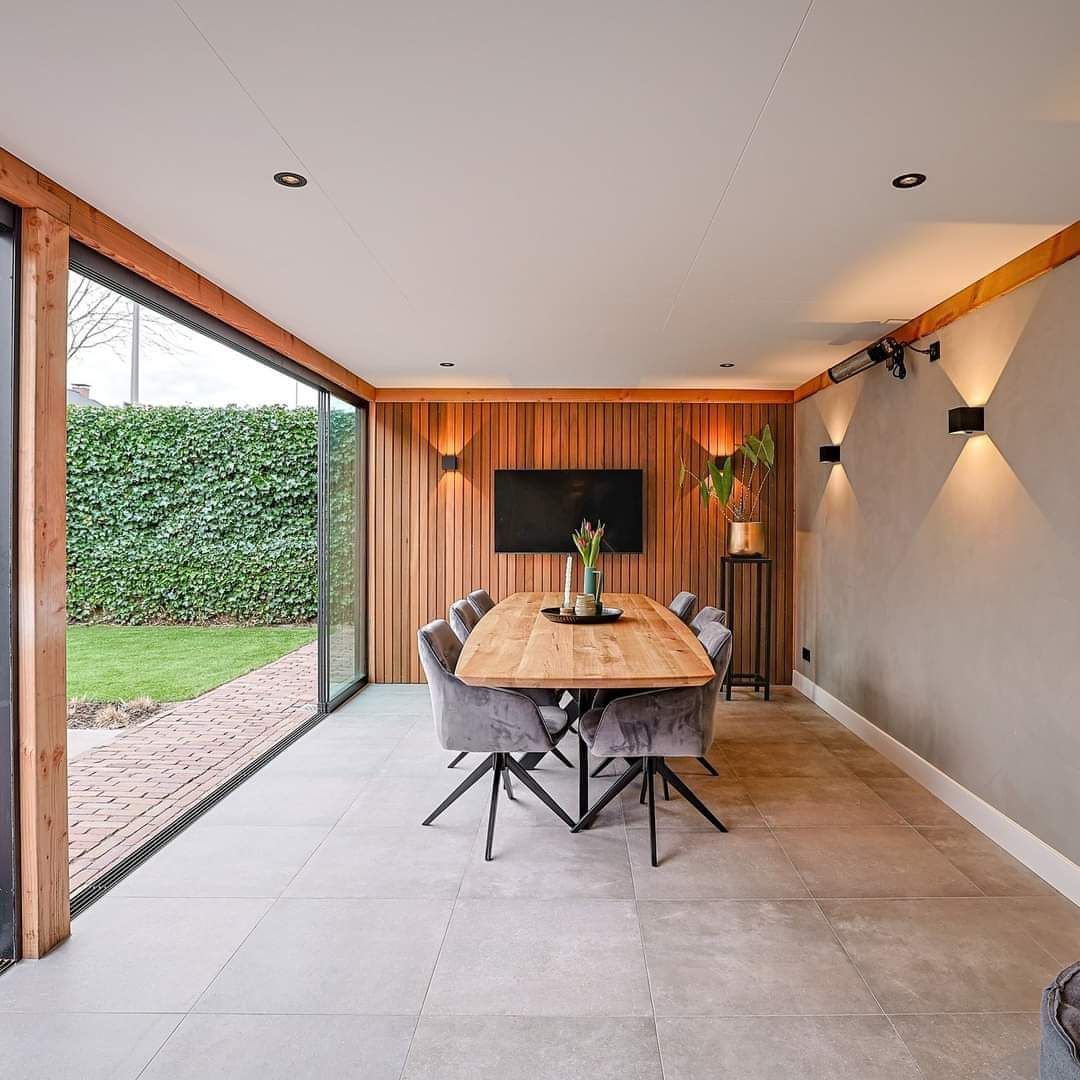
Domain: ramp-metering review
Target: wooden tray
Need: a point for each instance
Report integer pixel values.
(608, 614)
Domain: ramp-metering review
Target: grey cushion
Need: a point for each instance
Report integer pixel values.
(463, 619)
(683, 605)
(1059, 1057)
(679, 721)
(555, 719)
(476, 718)
(707, 615)
(481, 601)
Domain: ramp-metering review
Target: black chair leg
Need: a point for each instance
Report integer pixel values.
(531, 783)
(667, 794)
(690, 797)
(623, 782)
(506, 781)
(462, 755)
(560, 756)
(708, 765)
(602, 766)
(498, 763)
(644, 789)
(650, 774)
(460, 790)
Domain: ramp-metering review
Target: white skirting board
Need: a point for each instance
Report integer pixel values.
(1053, 867)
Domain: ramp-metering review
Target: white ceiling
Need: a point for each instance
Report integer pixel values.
(609, 193)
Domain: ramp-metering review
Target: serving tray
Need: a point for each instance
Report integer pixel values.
(608, 614)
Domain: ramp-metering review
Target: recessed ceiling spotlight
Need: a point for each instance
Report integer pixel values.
(289, 179)
(446, 363)
(727, 365)
(909, 180)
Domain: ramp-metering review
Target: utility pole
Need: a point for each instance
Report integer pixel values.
(134, 353)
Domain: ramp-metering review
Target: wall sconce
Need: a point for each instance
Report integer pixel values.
(829, 453)
(966, 420)
(449, 462)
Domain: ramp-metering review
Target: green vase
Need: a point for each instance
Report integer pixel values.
(594, 580)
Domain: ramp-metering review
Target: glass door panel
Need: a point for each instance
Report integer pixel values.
(342, 569)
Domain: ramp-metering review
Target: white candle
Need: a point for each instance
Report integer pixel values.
(567, 580)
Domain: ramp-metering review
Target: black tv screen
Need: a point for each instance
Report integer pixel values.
(537, 509)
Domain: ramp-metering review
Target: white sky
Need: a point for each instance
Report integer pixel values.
(195, 370)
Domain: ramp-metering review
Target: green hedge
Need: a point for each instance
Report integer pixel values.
(183, 514)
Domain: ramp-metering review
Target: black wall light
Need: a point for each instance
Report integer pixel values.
(449, 462)
(966, 420)
(829, 453)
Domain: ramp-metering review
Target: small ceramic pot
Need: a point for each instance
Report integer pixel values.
(746, 538)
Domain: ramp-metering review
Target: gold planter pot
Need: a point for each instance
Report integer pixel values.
(746, 538)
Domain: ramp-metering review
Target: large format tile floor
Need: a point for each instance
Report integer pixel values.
(849, 926)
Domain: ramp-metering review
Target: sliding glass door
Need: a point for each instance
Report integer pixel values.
(8, 851)
(342, 569)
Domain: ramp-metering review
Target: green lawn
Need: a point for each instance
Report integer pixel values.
(170, 663)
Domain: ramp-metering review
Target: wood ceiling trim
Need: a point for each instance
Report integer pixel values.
(1050, 254)
(525, 395)
(26, 187)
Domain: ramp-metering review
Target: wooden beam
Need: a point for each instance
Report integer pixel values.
(1051, 253)
(24, 186)
(661, 395)
(41, 584)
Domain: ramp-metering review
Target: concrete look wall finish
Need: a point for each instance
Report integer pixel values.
(938, 577)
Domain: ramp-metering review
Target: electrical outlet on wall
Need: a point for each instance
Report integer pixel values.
(806, 654)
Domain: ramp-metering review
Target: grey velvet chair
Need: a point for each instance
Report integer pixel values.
(707, 615)
(498, 723)
(645, 728)
(464, 619)
(683, 605)
(481, 601)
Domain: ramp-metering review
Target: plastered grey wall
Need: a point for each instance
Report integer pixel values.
(937, 576)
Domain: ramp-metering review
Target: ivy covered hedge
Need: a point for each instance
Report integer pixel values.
(184, 514)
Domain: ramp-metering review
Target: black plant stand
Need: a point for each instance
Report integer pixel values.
(761, 569)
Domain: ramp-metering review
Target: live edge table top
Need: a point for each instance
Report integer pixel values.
(514, 645)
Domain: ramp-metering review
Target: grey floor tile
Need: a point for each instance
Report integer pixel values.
(406, 861)
(782, 758)
(775, 1048)
(287, 799)
(747, 957)
(743, 864)
(948, 956)
(997, 1046)
(407, 800)
(880, 860)
(913, 802)
(1053, 921)
(334, 956)
(829, 732)
(743, 727)
(541, 958)
(727, 799)
(285, 1048)
(796, 802)
(692, 768)
(993, 869)
(550, 864)
(562, 785)
(864, 761)
(533, 1048)
(81, 1046)
(418, 753)
(130, 954)
(226, 860)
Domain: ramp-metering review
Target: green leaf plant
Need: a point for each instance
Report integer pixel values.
(738, 498)
(587, 540)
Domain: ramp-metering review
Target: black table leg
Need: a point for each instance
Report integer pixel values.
(583, 761)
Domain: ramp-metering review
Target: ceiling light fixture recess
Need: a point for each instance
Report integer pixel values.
(909, 180)
(727, 365)
(446, 363)
(290, 179)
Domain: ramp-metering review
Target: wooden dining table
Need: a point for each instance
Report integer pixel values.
(515, 645)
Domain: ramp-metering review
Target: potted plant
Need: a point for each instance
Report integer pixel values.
(739, 497)
(587, 540)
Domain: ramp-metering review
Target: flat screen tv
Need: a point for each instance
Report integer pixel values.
(537, 509)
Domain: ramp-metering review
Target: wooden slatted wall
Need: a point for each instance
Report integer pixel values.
(432, 532)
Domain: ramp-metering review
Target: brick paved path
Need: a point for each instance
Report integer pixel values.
(122, 793)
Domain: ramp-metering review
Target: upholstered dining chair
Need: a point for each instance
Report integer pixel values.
(707, 615)
(464, 619)
(648, 727)
(481, 601)
(683, 605)
(497, 723)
